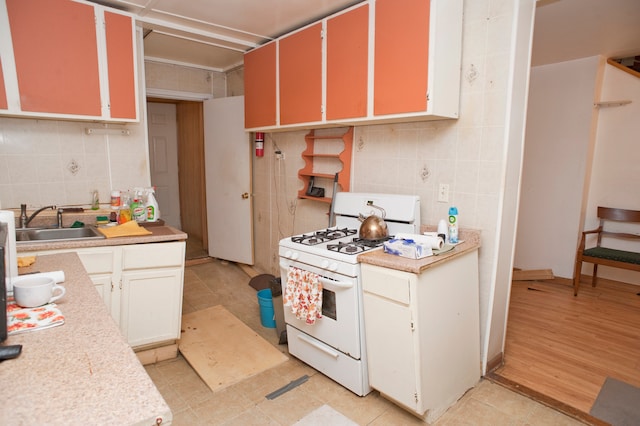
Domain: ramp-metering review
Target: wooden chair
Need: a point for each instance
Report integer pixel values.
(600, 255)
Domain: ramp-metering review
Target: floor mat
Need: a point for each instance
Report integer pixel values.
(222, 349)
(325, 415)
(617, 403)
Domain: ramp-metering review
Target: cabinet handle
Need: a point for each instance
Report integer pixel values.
(112, 286)
(120, 284)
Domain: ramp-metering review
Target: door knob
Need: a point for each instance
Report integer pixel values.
(245, 195)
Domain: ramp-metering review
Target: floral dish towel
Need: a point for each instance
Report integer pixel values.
(22, 320)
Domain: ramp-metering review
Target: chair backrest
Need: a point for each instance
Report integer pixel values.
(620, 215)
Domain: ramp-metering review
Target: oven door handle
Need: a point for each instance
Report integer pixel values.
(332, 283)
(325, 281)
(316, 345)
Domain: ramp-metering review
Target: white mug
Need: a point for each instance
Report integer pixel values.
(30, 292)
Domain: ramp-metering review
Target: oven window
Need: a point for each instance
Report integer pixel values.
(329, 304)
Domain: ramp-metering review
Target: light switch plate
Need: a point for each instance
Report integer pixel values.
(443, 193)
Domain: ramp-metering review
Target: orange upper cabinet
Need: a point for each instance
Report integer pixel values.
(119, 31)
(3, 92)
(69, 60)
(401, 56)
(260, 87)
(417, 59)
(300, 61)
(377, 61)
(56, 56)
(347, 64)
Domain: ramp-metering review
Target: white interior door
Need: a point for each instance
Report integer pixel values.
(163, 159)
(227, 150)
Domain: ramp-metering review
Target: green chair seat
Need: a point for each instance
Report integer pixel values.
(613, 254)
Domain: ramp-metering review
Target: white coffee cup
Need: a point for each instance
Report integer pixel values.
(30, 292)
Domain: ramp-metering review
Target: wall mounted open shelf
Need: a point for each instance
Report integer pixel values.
(325, 155)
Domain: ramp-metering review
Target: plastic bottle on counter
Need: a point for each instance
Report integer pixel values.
(453, 225)
(115, 200)
(153, 212)
(138, 211)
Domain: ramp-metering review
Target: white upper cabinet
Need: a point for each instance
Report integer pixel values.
(378, 61)
(67, 59)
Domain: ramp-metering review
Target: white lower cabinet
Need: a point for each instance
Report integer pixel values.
(141, 285)
(422, 333)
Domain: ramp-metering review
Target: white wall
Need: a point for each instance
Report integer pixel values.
(556, 163)
(615, 177)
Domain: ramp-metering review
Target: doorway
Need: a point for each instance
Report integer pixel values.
(177, 165)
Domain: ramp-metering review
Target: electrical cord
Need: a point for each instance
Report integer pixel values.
(282, 174)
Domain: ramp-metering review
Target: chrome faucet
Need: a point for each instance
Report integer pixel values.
(24, 220)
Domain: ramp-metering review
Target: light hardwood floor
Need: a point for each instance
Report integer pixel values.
(564, 346)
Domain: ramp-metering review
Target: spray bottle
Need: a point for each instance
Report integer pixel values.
(153, 213)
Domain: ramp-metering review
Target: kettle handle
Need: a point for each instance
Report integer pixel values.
(384, 213)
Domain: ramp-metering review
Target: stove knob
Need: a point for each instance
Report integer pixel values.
(295, 255)
(287, 254)
(324, 264)
(333, 267)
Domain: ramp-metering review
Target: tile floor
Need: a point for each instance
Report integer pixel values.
(192, 403)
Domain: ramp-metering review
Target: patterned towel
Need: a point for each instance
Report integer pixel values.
(303, 293)
(21, 320)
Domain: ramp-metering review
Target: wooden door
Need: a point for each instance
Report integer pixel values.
(347, 64)
(300, 78)
(401, 56)
(228, 153)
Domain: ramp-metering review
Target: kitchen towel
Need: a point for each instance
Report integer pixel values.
(303, 293)
(22, 320)
(127, 229)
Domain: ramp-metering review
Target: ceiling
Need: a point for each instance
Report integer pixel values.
(214, 34)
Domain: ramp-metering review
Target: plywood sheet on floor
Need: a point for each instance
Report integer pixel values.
(222, 349)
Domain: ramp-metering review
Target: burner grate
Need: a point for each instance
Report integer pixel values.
(319, 237)
(357, 245)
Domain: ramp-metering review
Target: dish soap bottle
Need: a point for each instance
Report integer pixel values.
(453, 225)
(153, 213)
(137, 208)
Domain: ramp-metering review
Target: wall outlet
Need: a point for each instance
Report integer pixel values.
(443, 193)
(279, 155)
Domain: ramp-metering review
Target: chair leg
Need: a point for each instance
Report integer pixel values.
(576, 277)
(594, 279)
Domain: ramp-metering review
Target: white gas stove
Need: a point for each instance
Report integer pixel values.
(334, 344)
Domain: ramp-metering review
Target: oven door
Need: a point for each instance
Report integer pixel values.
(339, 326)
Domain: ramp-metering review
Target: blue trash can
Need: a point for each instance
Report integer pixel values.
(267, 314)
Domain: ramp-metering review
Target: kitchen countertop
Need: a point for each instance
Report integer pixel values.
(160, 234)
(470, 241)
(82, 372)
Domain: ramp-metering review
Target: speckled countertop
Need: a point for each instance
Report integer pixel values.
(470, 241)
(82, 372)
(160, 234)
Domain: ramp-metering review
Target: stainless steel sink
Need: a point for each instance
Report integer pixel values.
(57, 234)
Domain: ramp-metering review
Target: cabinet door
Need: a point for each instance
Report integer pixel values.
(119, 31)
(300, 60)
(3, 92)
(151, 305)
(103, 286)
(56, 56)
(260, 87)
(401, 56)
(390, 334)
(347, 64)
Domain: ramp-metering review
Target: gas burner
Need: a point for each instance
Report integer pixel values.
(334, 234)
(355, 246)
(322, 236)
